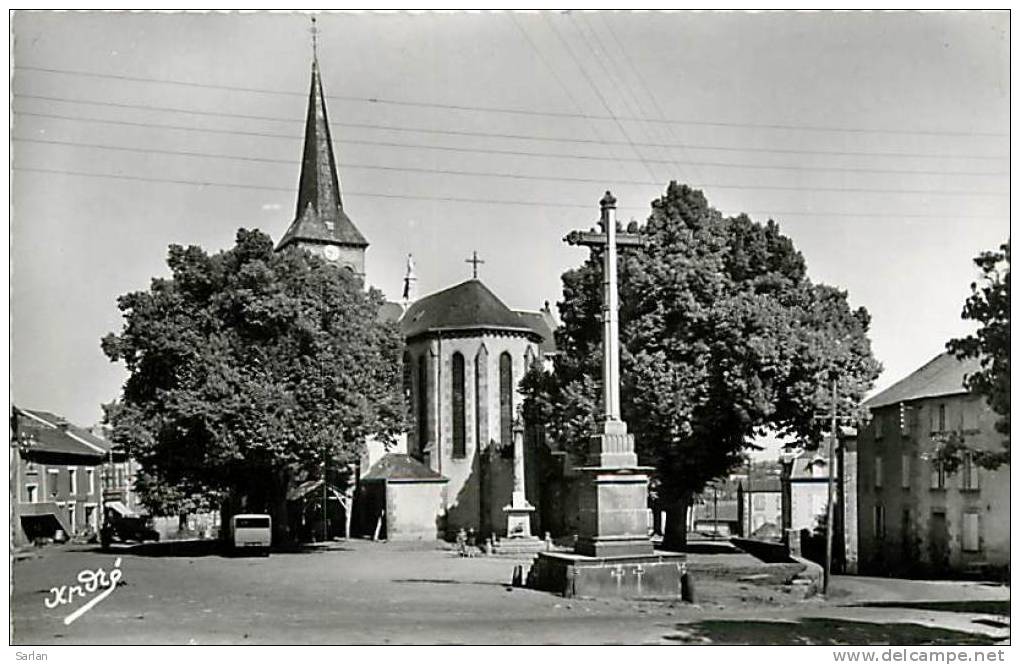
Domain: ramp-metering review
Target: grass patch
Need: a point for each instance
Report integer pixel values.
(997, 607)
(821, 631)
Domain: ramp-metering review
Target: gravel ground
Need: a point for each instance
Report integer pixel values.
(361, 592)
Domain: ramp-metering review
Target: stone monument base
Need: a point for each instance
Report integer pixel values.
(529, 545)
(625, 576)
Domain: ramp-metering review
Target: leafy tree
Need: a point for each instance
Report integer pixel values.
(248, 369)
(988, 304)
(723, 337)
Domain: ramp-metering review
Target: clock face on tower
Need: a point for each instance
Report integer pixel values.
(331, 253)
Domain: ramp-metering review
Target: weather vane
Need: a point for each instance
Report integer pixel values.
(315, 40)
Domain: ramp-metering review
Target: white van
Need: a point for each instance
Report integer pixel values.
(252, 532)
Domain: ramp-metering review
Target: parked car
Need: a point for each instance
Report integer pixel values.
(126, 528)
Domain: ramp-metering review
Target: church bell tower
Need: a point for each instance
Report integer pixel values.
(320, 224)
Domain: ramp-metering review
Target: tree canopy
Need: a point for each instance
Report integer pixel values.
(247, 369)
(988, 305)
(723, 337)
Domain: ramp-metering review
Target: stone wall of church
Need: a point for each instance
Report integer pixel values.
(481, 475)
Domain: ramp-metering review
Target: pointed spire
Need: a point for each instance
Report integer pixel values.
(320, 216)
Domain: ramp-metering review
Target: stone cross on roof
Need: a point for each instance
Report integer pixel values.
(474, 261)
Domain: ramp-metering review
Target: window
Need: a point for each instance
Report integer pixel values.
(904, 419)
(53, 481)
(506, 400)
(32, 493)
(938, 475)
(878, 471)
(759, 502)
(423, 403)
(91, 475)
(72, 476)
(879, 522)
(971, 480)
(878, 426)
(971, 532)
(407, 381)
(905, 471)
(459, 413)
(942, 418)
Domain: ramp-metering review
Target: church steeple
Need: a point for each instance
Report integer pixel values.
(320, 223)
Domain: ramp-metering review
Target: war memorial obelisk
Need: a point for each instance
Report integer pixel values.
(614, 555)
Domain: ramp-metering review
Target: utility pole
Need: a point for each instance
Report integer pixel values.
(834, 417)
(325, 514)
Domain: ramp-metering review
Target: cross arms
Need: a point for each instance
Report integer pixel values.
(598, 239)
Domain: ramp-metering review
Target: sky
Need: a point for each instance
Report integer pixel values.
(878, 142)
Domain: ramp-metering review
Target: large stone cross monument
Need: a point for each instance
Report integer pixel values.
(614, 555)
(614, 497)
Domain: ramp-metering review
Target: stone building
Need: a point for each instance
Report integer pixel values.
(465, 356)
(914, 517)
(57, 476)
(759, 500)
(466, 352)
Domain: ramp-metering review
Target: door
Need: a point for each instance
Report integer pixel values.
(938, 542)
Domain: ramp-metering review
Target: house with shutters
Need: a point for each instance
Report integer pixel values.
(914, 517)
(58, 474)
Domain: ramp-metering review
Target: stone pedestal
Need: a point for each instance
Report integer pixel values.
(518, 513)
(658, 575)
(613, 498)
(518, 517)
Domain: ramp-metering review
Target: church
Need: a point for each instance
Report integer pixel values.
(464, 356)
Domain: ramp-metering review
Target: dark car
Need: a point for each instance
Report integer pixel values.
(126, 528)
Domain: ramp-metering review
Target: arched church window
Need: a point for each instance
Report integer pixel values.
(459, 413)
(423, 403)
(506, 399)
(408, 379)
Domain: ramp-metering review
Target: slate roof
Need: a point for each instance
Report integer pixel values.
(543, 323)
(390, 312)
(943, 375)
(395, 466)
(50, 433)
(763, 483)
(320, 215)
(469, 305)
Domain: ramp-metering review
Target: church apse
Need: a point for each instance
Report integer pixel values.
(470, 352)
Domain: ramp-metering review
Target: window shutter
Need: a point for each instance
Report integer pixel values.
(971, 532)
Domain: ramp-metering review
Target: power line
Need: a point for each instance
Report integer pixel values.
(620, 84)
(210, 183)
(560, 81)
(529, 153)
(648, 92)
(521, 176)
(598, 93)
(551, 204)
(526, 112)
(467, 133)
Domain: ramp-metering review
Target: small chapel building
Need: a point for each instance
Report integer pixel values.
(466, 352)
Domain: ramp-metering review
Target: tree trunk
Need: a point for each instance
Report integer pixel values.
(277, 501)
(675, 538)
(347, 504)
(231, 506)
